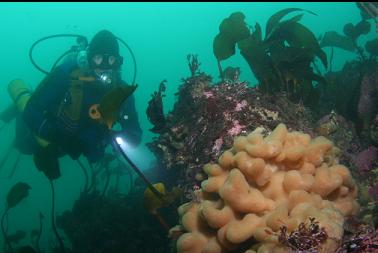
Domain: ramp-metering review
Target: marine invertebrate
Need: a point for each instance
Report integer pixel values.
(264, 183)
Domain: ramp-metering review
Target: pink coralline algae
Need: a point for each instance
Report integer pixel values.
(236, 129)
(227, 115)
(208, 94)
(218, 144)
(241, 105)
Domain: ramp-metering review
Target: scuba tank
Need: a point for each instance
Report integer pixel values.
(19, 93)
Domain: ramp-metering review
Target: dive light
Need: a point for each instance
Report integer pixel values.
(120, 144)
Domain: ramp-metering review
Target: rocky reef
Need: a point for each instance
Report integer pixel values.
(206, 118)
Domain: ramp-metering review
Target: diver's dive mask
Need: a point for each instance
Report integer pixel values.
(106, 67)
(106, 61)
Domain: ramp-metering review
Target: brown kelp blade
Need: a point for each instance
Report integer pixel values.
(231, 30)
(18, 192)
(275, 19)
(151, 201)
(112, 101)
(334, 39)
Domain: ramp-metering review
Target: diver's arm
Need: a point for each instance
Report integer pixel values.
(129, 122)
(47, 94)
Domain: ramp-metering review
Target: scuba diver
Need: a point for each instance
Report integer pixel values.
(61, 116)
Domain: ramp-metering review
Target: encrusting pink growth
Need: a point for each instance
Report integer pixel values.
(218, 144)
(208, 94)
(239, 106)
(236, 128)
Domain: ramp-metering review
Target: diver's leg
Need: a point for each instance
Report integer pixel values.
(45, 155)
(15, 165)
(6, 156)
(9, 113)
(20, 94)
(24, 141)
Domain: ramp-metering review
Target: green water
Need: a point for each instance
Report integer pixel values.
(160, 35)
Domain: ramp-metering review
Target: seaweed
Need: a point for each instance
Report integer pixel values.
(281, 61)
(349, 41)
(16, 194)
(308, 238)
(154, 109)
(111, 103)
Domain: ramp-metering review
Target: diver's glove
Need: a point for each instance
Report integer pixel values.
(46, 160)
